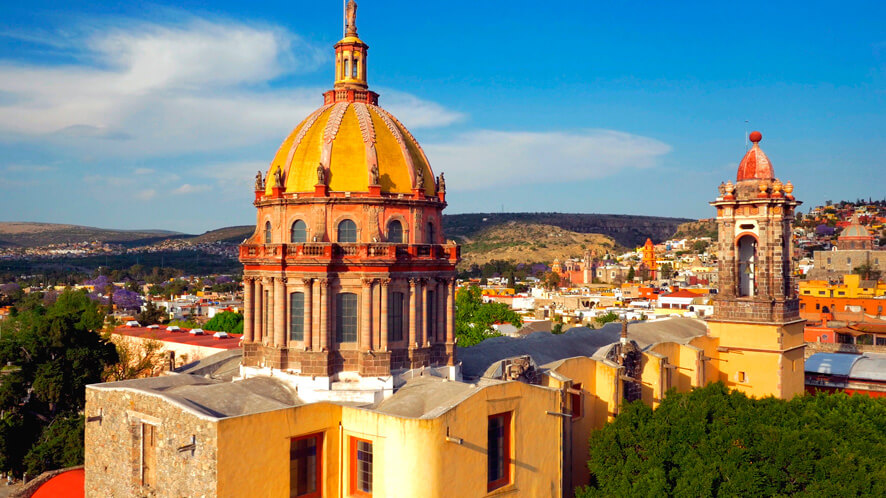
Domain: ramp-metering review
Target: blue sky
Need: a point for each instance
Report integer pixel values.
(157, 116)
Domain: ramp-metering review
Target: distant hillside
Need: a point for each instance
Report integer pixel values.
(25, 234)
(529, 243)
(699, 228)
(232, 235)
(627, 230)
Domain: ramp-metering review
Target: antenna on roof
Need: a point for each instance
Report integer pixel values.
(745, 135)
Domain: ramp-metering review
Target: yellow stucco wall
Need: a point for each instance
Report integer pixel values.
(757, 359)
(411, 457)
(654, 379)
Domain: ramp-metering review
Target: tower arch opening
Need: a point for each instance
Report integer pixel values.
(747, 261)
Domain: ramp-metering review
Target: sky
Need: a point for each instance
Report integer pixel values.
(136, 116)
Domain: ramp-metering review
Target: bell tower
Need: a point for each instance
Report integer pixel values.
(756, 312)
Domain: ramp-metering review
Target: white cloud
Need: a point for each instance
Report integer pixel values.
(143, 171)
(187, 188)
(147, 90)
(146, 195)
(488, 158)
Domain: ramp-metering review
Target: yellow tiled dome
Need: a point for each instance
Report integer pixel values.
(347, 138)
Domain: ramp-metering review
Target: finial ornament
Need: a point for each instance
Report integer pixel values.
(441, 183)
(729, 188)
(259, 181)
(278, 178)
(321, 174)
(351, 18)
(722, 188)
(755, 136)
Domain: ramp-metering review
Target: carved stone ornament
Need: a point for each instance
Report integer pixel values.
(441, 183)
(278, 178)
(259, 181)
(321, 174)
(373, 175)
(722, 188)
(419, 177)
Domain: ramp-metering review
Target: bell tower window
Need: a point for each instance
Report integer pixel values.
(747, 261)
(267, 232)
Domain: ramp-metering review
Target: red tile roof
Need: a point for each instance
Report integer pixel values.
(183, 336)
(68, 484)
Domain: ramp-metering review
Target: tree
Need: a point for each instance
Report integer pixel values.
(55, 352)
(867, 272)
(606, 318)
(136, 360)
(631, 274)
(667, 271)
(151, 314)
(713, 442)
(474, 318)
(700, 246)
(127, 299)
(225, 321)
(551, 280)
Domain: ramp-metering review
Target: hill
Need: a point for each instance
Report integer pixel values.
(529, 243)
(25, 234)
(231, 235)
(626, 230)
(699, 228)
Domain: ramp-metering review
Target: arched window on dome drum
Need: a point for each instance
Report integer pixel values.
(344, 72)
(346, 317)
(354, 68)
(299, 232)
(297, 316)
(395, 232)
(429, 233)
(347, 231)
(267, 232)
(747, 262)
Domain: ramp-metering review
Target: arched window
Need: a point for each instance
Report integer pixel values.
(354, 69)
(747, 261)
(346, 317)
(344, 73)
(395, 317)
(299, 232)
(347, 231)
(267, 232)
(297, 316)
(395, 232)
(429, 233)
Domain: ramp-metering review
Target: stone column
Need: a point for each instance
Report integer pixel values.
(280, 305)
(268, 336)
(258, 303)
(450, 313)
(366, 316)
(324, 314)
(441, 310)
(309, 308)
(248, 304)
(412, 309)
(384, 314)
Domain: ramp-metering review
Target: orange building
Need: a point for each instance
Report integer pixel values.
(348, 275)
(648, 262)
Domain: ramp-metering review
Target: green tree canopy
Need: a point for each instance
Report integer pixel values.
(713, 442)
(226, 321)
(55, 352)
(474, 318)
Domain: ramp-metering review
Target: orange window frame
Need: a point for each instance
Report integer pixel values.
(505, 479)
(353, 466)
(318, 437)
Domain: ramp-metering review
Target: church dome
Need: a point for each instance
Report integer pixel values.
(856, 229)
(356, 143)
(755, 165)
(348, 138)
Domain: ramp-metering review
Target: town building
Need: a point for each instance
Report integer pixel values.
(351, 383)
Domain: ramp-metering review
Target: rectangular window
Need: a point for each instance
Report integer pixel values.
(306, 466)
(346, 317)
(881, 341)
(498, 451)
(742, 377)
(576, 401)
(149, 455)
(395, 317)
(431, 316)
(297, 316)
(361, 467)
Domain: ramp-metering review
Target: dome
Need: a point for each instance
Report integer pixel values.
(755, 165)
(347, 138)
(856, 229)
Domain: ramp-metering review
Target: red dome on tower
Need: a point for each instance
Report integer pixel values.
(755, 165)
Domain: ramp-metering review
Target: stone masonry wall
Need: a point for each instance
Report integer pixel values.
(113, 446)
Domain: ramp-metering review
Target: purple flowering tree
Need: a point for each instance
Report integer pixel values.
(127, 299)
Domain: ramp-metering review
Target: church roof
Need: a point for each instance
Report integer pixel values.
(755, 165)
(855, 229)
